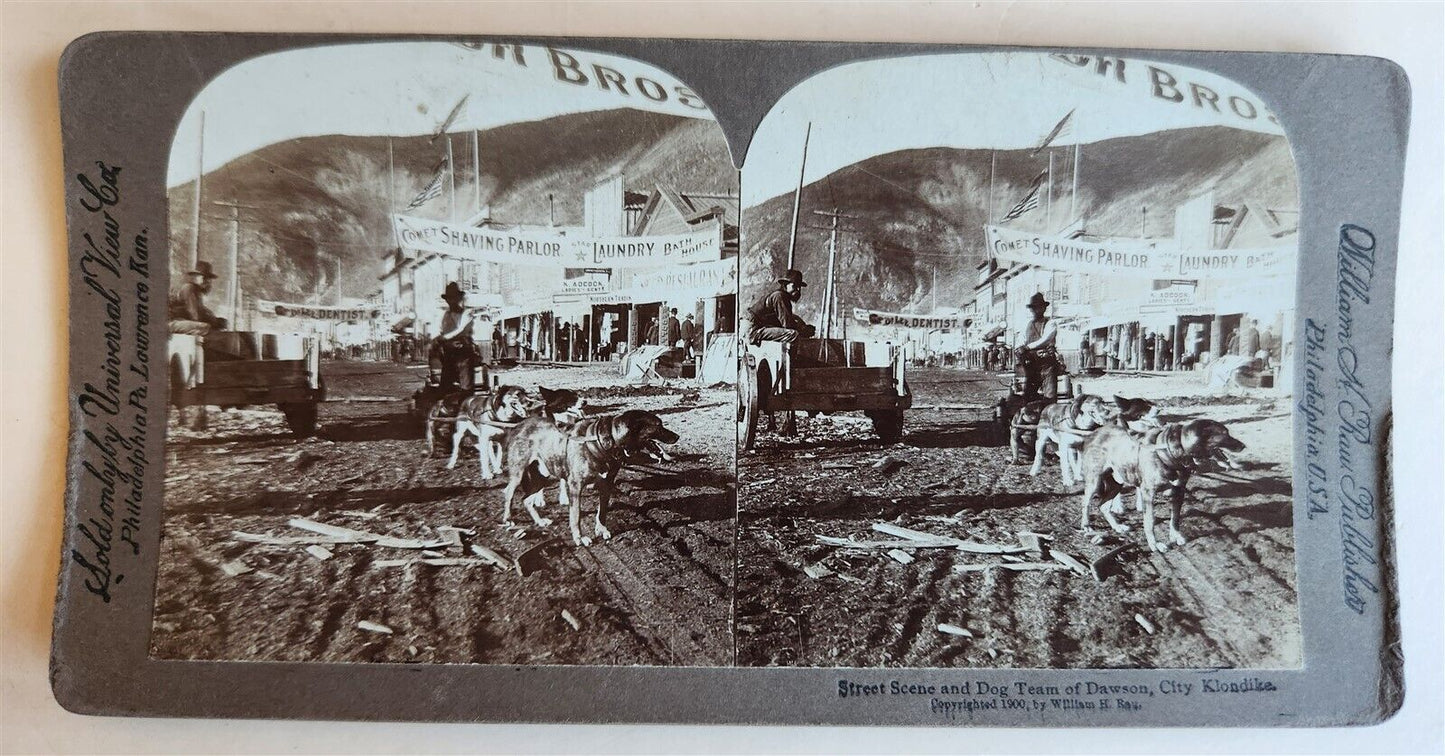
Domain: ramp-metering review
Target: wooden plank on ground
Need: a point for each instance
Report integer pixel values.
(958, 543)
(380, 540)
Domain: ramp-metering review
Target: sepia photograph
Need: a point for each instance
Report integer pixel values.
(1015, 383)
(451, 358)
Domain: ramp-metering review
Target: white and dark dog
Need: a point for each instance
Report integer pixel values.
(488, 417)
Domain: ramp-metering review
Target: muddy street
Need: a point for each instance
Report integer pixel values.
(658, 593)
(805, 597)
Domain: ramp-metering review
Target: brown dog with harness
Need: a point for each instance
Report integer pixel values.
(1161, 460)
(593, 450)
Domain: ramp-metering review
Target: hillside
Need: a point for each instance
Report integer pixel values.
(915, 211)
(318, 199)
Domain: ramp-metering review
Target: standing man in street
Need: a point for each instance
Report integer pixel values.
(771, 317)
(673, 330)
(1035, 357)
(186, 312)
(458, 352)
(688, 334)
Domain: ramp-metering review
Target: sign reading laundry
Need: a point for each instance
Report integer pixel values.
(550, 248)
(1131, 258)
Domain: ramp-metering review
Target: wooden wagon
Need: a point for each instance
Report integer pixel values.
(822, 375)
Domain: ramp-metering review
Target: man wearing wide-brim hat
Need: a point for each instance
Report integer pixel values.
(1035, 358)
(454, 347)
(186, 312)
(771, 317)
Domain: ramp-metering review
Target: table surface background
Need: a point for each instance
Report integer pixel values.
(33, 327)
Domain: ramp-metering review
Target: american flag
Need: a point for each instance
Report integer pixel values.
(432, 189)
(1060, 129)
(1030, 201)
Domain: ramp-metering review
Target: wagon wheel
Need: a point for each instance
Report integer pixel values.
(752, 387)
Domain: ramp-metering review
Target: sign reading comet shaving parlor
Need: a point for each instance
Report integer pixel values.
(1132, 258)
(554, 249)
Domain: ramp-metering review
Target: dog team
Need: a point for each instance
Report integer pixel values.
(1108, 446)
(1123, 444)
(557, 445)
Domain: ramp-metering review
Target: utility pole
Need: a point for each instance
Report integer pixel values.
(234, 298)
(828, 288)
(1143, 220)
(798, 195)
(935, 288)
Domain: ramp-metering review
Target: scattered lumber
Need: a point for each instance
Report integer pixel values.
(954, 630)
(1015, 566)
(570, 619)
(453, 562)
(957, 543)
(380, 540)
(838, 466)
(492, 556)
(817, 571)
(235, 568)
(1072, 563)
(888, 465)
(900, 556)
(318, 552)
(1033, 542)
(270, 540)
(848, 543)
(1144, 623)
(373, 627)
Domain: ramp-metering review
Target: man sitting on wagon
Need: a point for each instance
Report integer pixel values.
(186, 312)
(454, 347)
(771, 316)
(1035, 357)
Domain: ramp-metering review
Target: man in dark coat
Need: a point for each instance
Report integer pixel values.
(674, 328)
(687, 335)
(457, 350)
(1036, 359)
(185, 311)
(771, 317)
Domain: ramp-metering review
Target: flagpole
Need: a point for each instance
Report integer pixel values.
(1074, 194)
(196, 207)
(798, 196)
(992, 171)
(1049, 196)
(477, 167)
(451, 182)
(391, 191)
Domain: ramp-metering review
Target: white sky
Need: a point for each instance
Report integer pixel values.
(971, 100)
(396, 89)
